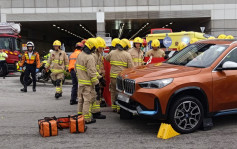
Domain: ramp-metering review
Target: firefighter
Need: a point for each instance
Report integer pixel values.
(100, 74)
(32, 61)
(229, 37)
(3, 57)
(71, 68)
(87, 79)
(128, 47)
(136, 52)
(221, 36)
(119, 60)
(58, 63)
(114, 42)
(211, 37)
(155, 52)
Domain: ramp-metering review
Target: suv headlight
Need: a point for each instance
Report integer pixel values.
(156, 83)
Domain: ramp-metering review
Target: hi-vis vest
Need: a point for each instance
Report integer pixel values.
(72, 59)
(34, 59)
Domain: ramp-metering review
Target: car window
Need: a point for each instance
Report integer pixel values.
(232, 56)
(198, 55)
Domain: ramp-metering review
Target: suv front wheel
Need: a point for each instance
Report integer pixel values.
(186, 114)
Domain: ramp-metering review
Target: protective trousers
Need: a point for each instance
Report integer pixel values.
(30, 69)
(95, 102)
(85, 97)
(113, 93)
(74, 85)
(57, 78)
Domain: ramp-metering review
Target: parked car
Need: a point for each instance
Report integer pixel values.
(199, 82)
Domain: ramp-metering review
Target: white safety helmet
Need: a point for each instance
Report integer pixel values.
(30, 44)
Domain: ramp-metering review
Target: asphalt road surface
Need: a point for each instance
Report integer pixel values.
(19, 113)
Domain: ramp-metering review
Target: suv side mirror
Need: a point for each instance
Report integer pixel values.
(228, 65)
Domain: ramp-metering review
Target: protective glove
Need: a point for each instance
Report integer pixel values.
(37, 70)
(97, 90)
(102, 82)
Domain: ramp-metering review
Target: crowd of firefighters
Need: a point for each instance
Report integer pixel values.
(86, 67)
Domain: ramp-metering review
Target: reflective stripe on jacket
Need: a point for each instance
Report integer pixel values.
(35, 59)
(119, 61)
(86, 69)
(137, 56)
(58, 61)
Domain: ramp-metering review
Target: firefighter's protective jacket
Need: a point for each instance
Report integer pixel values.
(58, 61)
(99, 63)
(137, 56)
(158, 53)
(86, 70)
(119, 61)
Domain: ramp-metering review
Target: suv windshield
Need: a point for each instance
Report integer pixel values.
(198, 55)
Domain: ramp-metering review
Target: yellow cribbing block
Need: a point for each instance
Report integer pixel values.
(166, 131)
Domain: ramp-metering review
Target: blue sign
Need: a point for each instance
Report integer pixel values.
(167, 42)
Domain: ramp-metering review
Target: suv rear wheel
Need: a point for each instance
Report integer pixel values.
(186, 114)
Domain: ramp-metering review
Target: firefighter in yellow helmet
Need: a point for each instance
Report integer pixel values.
(181, 46)
(58, 63)
(119, 60)
(221, 36)
(155, 52)
(193, 40)
(136, 52)
(128, 44)
(100, 74)
(229, 37)
(87, 79)
(114, 42)
(211, 37)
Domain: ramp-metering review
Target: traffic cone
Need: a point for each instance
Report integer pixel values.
(166, 131)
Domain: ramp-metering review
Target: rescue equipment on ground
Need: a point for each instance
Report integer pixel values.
(77, 124)
(49, 125)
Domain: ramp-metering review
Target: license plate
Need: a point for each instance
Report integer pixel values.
(123, 98)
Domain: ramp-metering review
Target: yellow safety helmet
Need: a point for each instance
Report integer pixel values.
(128, 42)
(101, 42)
(221, 36)
(211, 37)
(57, 43)
(114, 42)
(155, 43)
(138, 40)
(123, 43)
(229, 37)
(181, 46)
(193, 40)
(91, 43)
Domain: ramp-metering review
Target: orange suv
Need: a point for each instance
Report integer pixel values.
(197, 83)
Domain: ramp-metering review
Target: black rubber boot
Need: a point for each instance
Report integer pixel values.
(98, 116)
(57, 95)
(34, 89)
(92, 121)
(73, 102)
(24, 89)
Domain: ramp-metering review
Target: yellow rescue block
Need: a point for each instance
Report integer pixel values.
(166, 131)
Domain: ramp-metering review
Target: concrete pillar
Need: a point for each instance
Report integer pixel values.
(100, 20)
